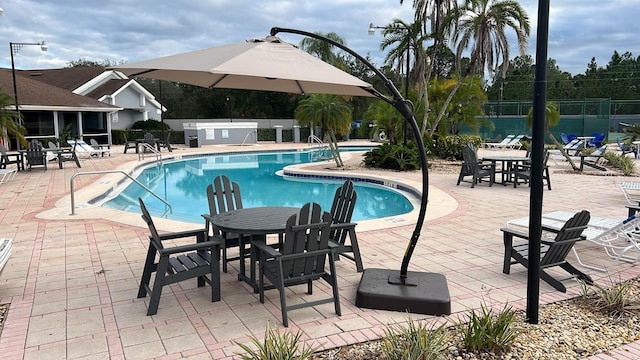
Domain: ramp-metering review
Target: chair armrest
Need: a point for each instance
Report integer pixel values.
(205, 245)
(515, 233)
(181, 234)
(266, 249)
(343, 225)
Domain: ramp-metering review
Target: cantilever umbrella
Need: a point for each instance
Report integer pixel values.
(259, 64)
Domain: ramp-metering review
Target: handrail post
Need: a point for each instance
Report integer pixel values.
(72, 186)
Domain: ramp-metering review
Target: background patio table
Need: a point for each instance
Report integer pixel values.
(507, 163)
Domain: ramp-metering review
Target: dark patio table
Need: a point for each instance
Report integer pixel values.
(507, 163)
(256, 222)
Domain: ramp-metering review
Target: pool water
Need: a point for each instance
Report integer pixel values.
(183, 184)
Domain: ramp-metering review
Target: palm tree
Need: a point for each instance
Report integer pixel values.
(8, 125)
(333, 114)
(551, 119)
(323, 50)
(482, 25)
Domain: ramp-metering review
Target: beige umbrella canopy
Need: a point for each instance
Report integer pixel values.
(259, 64)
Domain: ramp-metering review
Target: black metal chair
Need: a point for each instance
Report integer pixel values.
(222, 196)
(344, 202)
(478, 170)
(36, 155)
(553, 251)
(300, 260)
(200, 260)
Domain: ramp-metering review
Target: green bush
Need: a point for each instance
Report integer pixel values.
(394, 157)
(276, 346)
(623, 163)
(150, 124)
(616, 300)
(415, 342)
(485, 330)
(447, 147)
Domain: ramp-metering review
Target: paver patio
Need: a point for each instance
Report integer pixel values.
(72, 279)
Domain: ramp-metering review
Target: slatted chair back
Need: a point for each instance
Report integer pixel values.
(565, 239)
(223, 196)
(344, 203)
(35, 155)
(301, 259)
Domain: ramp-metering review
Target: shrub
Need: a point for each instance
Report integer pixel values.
(277, 346)
(446, 147)
(615, 300)
(414, 342)
(150, 124)
(623, 163)
(394, 157)
(488, 331)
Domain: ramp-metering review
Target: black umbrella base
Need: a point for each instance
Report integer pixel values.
(422, 293)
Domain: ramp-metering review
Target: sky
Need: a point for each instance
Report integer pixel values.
(129, 31)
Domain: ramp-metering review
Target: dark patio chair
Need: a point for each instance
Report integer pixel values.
(7, 159)
(36, 155)
(222, 196)
(301, 259)
(130, 144)
(522, 172)
(475, 168)
(166, 142)
(344, 202)
(553, 251)
(199, 259)
(594, 160)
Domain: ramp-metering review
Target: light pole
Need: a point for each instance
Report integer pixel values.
(15, 47)
(372, 31)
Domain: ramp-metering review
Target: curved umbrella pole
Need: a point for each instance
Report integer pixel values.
(403, 107)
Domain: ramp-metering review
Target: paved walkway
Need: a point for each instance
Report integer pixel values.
(72, 279)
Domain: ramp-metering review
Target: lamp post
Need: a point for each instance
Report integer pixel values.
(15, 47)
(372, 31)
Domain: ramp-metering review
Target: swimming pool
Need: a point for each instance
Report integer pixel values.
(183, 183)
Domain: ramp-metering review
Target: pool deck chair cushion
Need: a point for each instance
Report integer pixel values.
(553, 251)
(199, 259)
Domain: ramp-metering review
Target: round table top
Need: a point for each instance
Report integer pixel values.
(255, 221)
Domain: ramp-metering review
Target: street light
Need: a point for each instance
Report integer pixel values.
(372, 31)
(15, 47)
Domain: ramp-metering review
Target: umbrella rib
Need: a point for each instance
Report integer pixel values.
(141, 72)
(218, 81)
(300, 87)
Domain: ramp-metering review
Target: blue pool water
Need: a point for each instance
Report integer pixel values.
(183, 184)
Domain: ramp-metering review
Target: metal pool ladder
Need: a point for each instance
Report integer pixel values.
(73, 177)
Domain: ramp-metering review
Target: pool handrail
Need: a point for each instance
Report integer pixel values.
(73, 177)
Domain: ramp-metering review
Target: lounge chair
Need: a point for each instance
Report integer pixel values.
(36, 155)
(344, 202)
(200, 259)
(565, 138)
(82, 148)
(631, 192)
(626, 149)
(594, 159)
(5, 251)
(104, 149)
(475, 168)
(301, 259)
(553, 252)
(504, 141)
(597, 140)
(515, 143)
(7, 174)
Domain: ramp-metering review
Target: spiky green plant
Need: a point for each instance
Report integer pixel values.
(416, 341)
(276, 346)
(614, 300)
(486, 330)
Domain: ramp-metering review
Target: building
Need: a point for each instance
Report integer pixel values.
(84, 102)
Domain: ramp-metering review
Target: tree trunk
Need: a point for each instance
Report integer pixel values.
(333, 148)
(562, 151)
